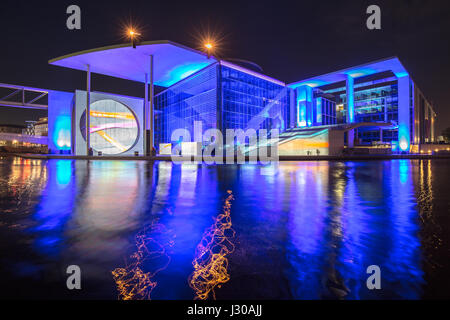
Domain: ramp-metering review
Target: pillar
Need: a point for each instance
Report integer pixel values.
(304, 106)
(88, 109)
(404, 140)
(351, 138)
(152, 117)
(350, 106)
(146, 111)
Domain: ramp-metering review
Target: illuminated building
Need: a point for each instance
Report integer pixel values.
(223, 96)
(371, 104)
(375, 94)
(41, 127)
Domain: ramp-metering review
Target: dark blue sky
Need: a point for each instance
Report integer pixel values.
(291, 40)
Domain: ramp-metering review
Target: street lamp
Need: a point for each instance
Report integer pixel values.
(209, 46)
(133, 35)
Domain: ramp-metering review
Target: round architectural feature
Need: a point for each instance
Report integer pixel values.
(114, 127)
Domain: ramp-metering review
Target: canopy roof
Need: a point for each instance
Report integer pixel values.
(172, 61)
(390, 64)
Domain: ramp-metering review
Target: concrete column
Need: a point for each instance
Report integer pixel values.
(404, 139)
(432, 124)
(292, 108)
(350, 105)
(146, 111)
(88, 109)
(304, 106)
(151, 115)
(351, 138)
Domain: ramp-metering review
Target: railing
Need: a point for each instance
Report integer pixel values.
(22, 97)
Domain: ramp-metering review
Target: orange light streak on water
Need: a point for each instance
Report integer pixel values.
(210, 262)
(133, 281)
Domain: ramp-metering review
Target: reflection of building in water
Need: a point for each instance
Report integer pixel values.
(210, 262)
(98, 211)
(345, 217)
(431, 230)
(55, 207)
(20, 182)
(380, 228)
(136, 280)
(307, 217)
(188, 182)
(163, 185)
(27, 170)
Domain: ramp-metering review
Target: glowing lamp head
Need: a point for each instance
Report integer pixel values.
(208, 46)
(132, 33)
(134, 36)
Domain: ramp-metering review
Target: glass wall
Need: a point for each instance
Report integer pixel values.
(373, 103)
(252, 102)
(324, 112)
(192, 99)
(245, 101)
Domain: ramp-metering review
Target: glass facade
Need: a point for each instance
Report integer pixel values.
(373, 103)
(224, 98)
(250, 102)
(192, 99)
(324, 112)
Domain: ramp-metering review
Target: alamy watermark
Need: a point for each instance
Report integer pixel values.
(73, 22)
(373, 22)
(74, 280)
(374, 280)
(238, 146)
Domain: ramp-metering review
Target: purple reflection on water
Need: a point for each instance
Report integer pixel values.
(303, 230)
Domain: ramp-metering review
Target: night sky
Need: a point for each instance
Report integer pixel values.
(291, 40)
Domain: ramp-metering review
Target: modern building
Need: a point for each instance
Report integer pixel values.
(13, 139)
(369, 105)
(223, 96)
(41, 127)
(381, 96)
(36, 128)
(29, 129)
(10, 128)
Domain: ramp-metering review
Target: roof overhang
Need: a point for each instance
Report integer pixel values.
(390, 64)
(172, 62)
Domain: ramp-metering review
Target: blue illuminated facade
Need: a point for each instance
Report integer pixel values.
(192, 99)
(248, 101)
(226, 96)
(60, 121)
(222, 96)
(380, 96)
(376, 103)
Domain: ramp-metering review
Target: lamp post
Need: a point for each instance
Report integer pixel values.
(148, 110)
(133, 36)
(209, 46)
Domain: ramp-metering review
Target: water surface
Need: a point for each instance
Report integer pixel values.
(294, 230)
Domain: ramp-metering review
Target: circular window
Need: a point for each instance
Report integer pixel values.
(114, 128)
